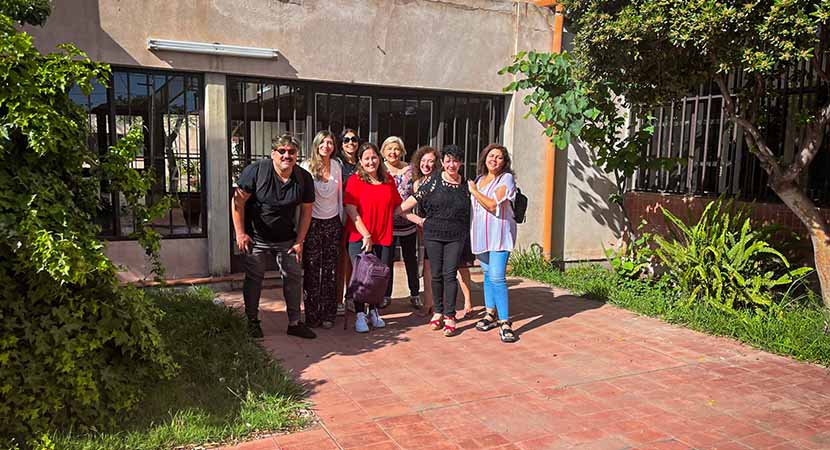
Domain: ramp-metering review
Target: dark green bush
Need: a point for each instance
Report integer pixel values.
(74, 346)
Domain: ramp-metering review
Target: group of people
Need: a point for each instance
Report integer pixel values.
(315, 218)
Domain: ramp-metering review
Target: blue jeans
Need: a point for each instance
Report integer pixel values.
(494, 265)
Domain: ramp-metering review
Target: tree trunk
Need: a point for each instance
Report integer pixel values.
(783, 182)
(811, 217)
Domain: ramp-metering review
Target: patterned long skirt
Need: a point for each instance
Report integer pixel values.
(320, 251)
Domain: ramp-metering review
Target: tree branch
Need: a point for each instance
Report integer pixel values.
(813, 137)
(757, 140)
(824, 115)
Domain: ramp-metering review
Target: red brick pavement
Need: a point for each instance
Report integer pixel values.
(583, 376)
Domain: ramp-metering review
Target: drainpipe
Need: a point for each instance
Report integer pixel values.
(550, 150)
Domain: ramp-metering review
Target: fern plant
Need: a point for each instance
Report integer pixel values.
(723, 261)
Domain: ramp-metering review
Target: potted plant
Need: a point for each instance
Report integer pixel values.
(190, 191)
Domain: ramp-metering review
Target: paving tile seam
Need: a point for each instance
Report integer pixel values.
(328, 433)
(616, 377)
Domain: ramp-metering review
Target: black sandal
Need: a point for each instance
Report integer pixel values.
(506, 333)
(487, 323)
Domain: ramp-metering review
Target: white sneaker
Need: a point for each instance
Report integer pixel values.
(375, 319)
(360, 324)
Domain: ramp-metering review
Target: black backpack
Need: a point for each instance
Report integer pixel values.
(519, 207)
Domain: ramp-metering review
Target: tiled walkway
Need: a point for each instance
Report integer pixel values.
(584, 375)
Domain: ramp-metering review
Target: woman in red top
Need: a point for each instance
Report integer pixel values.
(370, 200)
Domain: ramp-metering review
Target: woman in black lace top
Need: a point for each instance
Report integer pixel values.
(444, 200)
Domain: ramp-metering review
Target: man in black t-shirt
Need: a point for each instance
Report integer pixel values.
(265, 203)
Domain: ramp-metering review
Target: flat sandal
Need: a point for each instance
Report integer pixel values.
(449, 330)
(487, 323)
(436, 324)
(506, 334)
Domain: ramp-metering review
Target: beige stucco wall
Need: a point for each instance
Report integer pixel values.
(584, 220)
(591, 222)
(182, 258)
(454, 45)
(523, 137)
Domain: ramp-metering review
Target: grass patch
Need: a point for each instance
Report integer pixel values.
(799, 331)
(227, 389)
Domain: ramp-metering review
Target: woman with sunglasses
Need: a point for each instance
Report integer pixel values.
(405, 232)
(444, 200)
(349, 142)
(324, 236)
(370, 198)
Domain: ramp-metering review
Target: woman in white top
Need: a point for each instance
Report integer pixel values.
(493, 234)
(322, 243)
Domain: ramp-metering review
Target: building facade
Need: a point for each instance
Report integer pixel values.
(424, 70)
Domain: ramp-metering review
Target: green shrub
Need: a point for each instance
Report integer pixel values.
(75, 348)
(530, 262)
(634, 261)
(723, 261)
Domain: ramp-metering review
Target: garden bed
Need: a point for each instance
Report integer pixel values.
(227, 388)
(799, 330)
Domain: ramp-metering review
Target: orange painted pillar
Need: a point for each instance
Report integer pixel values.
(550, 150)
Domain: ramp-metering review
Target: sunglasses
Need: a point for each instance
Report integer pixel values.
(354, 139)
(282, 150)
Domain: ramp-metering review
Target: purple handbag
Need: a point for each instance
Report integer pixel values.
(370, 277)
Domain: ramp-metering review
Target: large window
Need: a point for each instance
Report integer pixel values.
(470, 123)
(714, 155)
(259, 109)
(168, 107)
(337, 111)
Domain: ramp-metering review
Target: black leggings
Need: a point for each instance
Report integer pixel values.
(443, 261)
(409, 254)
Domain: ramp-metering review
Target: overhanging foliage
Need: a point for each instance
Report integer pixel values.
(74, 347)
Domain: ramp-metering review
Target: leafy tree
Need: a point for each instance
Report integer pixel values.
(75, 347)
(32, 12)
(570, 107)
(652, 52)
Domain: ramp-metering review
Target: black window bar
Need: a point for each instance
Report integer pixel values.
(170, 109)
(696, 130)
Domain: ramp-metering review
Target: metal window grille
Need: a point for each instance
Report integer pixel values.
(262, 108)
(715, 158)
(169, 107)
